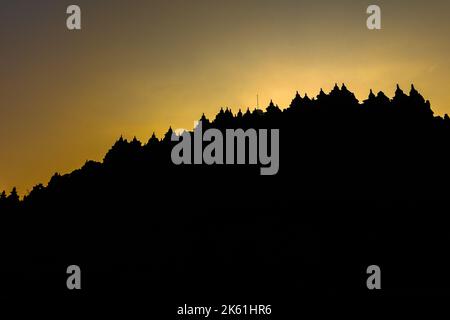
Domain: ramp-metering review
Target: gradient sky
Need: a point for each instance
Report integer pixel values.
(139, 66)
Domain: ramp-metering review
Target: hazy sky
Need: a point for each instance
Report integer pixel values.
(139, 66)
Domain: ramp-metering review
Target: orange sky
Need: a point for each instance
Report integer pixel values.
(139, 66)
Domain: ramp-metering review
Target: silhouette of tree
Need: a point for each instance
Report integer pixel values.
(153, 141)
(2, 200)
(168, 136)
(273, 109)
(13, 196)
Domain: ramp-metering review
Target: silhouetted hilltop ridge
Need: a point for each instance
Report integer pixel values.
(358, 184)
(305, 122)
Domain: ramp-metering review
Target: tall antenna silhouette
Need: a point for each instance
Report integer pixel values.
(257, 101)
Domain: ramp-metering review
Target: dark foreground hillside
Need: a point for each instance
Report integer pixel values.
(358, 184)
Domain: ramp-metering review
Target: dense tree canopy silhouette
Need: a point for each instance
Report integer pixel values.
(359, 183)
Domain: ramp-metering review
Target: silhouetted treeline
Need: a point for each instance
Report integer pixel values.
(359, 183)
(336, 113)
